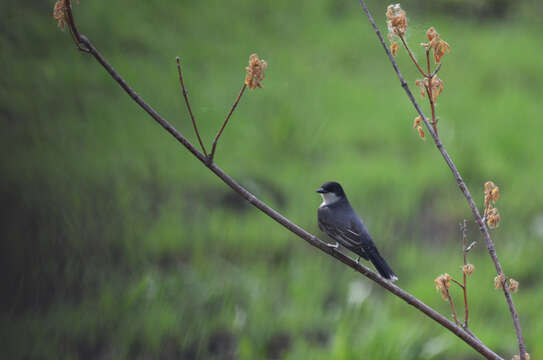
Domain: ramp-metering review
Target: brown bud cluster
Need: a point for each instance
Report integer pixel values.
(396, 21)
(435, 43)
(255, 72)
(417, 126)
(59, 13)
(513, 285)
(526, 356)
(435, 85)
(443, 283)
(396, 24)
(468, 269)
(498, 281)
(491, 213)
(394, 47)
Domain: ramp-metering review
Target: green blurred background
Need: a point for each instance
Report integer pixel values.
(118, 244)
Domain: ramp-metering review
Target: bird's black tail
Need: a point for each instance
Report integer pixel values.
(381, 265)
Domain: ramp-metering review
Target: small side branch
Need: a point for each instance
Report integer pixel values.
(413, 57)
(430, 92)
(185, 95)
(450, 300)
(465, 250)
(238, 98)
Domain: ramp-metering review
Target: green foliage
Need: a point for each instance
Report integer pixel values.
(118, 244)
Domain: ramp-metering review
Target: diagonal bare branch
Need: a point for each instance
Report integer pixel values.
(461, 184)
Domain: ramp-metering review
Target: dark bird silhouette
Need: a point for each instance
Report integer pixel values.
(339, 221)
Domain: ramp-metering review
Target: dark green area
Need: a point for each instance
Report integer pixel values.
(118, 244)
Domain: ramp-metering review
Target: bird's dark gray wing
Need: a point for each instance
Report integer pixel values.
(347, 233)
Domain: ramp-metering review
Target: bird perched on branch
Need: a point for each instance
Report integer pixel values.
(339, 221)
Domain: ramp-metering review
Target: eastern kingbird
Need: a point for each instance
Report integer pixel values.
(339, 221)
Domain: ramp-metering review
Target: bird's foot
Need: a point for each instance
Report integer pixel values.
(358, 260)
(334, 246)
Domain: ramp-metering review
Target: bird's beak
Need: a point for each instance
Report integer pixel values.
(321, 191)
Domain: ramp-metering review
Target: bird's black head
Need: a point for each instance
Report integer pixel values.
(331, 187)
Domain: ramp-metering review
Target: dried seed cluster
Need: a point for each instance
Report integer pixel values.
(396, 21)
(59, 13)
(417, 126)
(491, 213)
(433, 85)
(443, 283)
(255, 72)
(396, 24)
(498, 281)
(468, 269)
(435, 43)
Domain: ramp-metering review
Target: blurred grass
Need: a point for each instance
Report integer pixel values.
(118, 244)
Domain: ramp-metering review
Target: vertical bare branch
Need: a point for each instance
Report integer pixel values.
(185, 95)
(464, 275)
(461, 184)
(430, 92)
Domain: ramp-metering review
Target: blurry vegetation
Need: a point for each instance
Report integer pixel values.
(117, 244)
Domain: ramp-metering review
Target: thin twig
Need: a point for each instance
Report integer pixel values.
(470, 246)
(185, 95)
(432, 106)
(435, 71)
(226, 122)
(76, 36)
(430, 92)
(457, 282)
(413, 57)
(300, 232)
(450, 300)
(461, 184)
(464, 276)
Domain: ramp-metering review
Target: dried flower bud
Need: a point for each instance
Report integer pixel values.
(431, 34)
(443, 283)
(396, 20)
(513, 285)
(417, 122)
(421, 84)
(420, 130)
(492, 194)
(489, 185)
(437, 87)
(440, 47)
(468, 269)
(59, 13)
(493, 218)
(394, 47)
(255, 72)
(526, 357)
(495, 194)
(498, 281)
